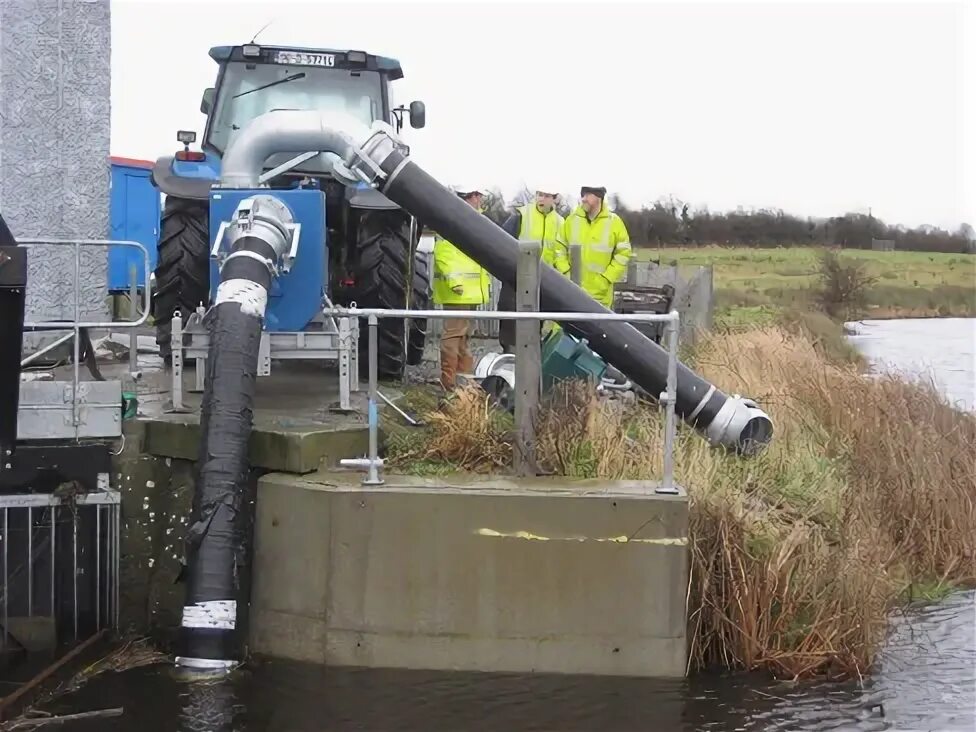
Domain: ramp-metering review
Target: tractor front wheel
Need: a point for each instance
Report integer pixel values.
(390, 274)
(183, 267)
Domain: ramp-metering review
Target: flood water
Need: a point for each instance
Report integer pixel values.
(926, 678)
(941, 349)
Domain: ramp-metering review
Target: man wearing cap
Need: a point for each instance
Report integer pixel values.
(605, 244)
(533, 221)
(460, 283)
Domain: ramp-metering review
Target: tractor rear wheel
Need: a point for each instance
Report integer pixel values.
(183, 267)
(390, 274)
(417, 338)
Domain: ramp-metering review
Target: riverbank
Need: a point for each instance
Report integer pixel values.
(753, 284)
(863, 499)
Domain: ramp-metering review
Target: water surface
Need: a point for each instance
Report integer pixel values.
(940, 349)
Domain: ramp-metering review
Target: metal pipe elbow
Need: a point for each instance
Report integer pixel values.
(740, 425)
(289, 130)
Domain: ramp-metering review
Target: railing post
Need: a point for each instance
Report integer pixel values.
(668, 398)
(176, 338)
(372, 474)
(134, 312)
(528, 358)
(632, 273)
(576, 263)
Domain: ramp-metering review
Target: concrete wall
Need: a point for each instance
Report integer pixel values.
(157, 495)
(55, 77)
(476, 575)
(156, 474)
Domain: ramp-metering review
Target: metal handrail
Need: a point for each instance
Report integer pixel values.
(669, 397)
(77, 324)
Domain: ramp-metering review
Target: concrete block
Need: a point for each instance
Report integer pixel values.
(288, 449)
(540, 575)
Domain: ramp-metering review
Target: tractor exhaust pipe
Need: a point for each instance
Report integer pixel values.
(258, 238)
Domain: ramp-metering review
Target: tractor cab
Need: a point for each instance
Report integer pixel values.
(256, 79)
(367, 242)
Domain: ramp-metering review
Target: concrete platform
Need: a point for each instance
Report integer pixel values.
(297, 425)
(547, 575)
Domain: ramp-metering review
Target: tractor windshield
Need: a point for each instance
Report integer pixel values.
(249, 90)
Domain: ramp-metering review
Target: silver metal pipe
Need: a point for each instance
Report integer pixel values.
(30, 561)
(403, 414)
(74, 572)
(6, 577)
(62, 325)
(293, 131)
(116, 511)
(133, 312)
(76, 371)
(47, 349)
(373, 477)
(501, 315)
(670, 398)
(54, 511)
(108, 566)
(98, 567)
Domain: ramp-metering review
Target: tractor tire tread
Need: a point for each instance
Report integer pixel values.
(381, 278)
(183, 266)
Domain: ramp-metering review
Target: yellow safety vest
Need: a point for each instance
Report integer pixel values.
(452, 267)
(545, 228)
(606, 251)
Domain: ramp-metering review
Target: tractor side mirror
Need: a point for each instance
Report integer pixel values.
(206, 103)
(418, 115)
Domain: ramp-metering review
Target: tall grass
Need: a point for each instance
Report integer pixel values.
(868, 487)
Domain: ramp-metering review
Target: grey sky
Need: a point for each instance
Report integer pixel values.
(815, 108)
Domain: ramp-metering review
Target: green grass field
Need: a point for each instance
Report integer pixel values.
(753, 283)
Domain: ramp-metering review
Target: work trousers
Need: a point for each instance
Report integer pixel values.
(455, 356)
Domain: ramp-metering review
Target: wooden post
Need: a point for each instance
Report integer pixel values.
(632, 272)
(528, 358)
(576, 263)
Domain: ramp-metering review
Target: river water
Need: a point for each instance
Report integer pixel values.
(926, 678)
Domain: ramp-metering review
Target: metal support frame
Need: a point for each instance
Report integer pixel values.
(76, 323)
(27, 532)
(668, 398)
(337, 341)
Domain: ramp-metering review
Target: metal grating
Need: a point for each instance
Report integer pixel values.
(59, 557)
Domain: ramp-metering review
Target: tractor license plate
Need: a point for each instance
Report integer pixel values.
(299, 58)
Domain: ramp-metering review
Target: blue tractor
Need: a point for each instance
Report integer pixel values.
(370, 252)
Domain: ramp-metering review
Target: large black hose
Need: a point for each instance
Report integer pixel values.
(215, 542)
(620, 343)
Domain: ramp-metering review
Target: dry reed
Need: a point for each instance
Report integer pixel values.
(799, 553)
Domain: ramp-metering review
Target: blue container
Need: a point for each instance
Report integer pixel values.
(134, 215)
(295, 297)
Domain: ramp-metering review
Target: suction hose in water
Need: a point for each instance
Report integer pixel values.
(257, 239)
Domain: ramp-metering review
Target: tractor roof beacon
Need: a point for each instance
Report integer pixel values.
(371, 242)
